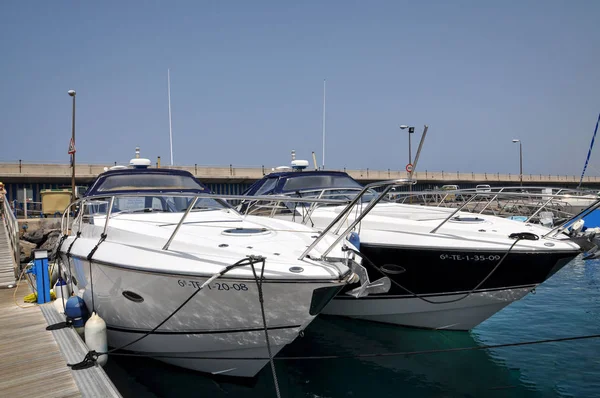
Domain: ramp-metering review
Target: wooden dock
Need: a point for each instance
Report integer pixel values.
(33, 361)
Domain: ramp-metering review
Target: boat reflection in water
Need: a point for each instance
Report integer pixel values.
(476, 373)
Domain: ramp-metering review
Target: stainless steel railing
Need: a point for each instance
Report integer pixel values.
(12, 228)
(69, 224)
(530, 202)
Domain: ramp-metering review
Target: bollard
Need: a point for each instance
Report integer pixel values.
(42, 277)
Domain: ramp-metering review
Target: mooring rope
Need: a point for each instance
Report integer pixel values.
(392, 354)
(89, 258)
(469, 293)
(92, 356)
(262, 310)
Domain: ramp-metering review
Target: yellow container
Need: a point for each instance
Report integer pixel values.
(55, 200)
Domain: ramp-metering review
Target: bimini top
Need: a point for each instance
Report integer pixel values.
(133, 180)
(296, 181)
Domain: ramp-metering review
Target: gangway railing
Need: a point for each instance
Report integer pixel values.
(12, 229)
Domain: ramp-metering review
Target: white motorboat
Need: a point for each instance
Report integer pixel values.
(578, 203)
(450, 269)
(144, 241)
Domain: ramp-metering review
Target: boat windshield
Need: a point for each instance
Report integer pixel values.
(148, 181)
(326, 186)
(153, 204)
(323, 181)
(151, 192)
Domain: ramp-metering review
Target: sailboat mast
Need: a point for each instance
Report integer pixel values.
(170, 126)
(589, 153)
(324, 82)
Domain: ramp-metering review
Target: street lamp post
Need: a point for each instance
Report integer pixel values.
(72, 148)
(411, 130)
(520, 159)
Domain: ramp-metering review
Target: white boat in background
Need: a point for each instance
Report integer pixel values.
(450, 269)
(578, 203)
(143, 242)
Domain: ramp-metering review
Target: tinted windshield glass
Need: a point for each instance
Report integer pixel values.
(134, 182)
(153, 204)
(319, 182)
(267, 186)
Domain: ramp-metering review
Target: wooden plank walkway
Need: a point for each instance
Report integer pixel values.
(33, 361)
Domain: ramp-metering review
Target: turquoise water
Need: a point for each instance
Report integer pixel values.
(566, 305)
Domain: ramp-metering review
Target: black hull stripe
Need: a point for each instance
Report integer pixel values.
(435, 272)
(470, 250)
(221, 331)
(428, 295)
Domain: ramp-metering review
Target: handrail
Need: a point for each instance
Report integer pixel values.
(190, 207)
(433, 231)
(65, 219)
(540, 200)
(12, 228)
(389, 185)
(542, 207)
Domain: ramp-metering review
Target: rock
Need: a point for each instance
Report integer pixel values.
(51, 244)
(26, 250)
(36, 236)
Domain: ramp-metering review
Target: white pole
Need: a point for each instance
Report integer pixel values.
(324, 82)
(25, 202)
(170, 127)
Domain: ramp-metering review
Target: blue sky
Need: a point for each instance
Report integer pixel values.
(247, 77)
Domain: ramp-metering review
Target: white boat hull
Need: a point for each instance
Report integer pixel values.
(410, 311)
(221, 321)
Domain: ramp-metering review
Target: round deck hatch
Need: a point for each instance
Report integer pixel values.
(246, 231)
(467, 220)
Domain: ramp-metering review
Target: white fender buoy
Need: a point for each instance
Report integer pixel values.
(95, 337)
(61, 289)
(577, 226)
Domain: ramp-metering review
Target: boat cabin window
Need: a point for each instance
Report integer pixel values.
(319, 182)
(149, 181)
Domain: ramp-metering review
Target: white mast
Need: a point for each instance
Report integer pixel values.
(324, 81)
(170, 127)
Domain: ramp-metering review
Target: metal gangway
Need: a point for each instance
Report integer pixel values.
(9, 244)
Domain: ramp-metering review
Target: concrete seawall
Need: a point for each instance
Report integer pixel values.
(29, 172)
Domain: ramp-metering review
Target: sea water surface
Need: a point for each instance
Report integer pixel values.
(568, 304)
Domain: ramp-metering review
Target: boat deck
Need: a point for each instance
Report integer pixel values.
(33, 361)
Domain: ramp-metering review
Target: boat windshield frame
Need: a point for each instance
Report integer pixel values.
(138, 181)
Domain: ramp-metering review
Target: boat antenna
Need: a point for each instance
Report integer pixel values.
(324, 83)
(170, 126)
(589, 153)
(315, 161)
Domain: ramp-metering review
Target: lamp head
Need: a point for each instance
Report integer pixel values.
(403, 126)
(515, 141)
(71, 93)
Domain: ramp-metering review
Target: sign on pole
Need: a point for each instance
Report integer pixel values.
(71, 147)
